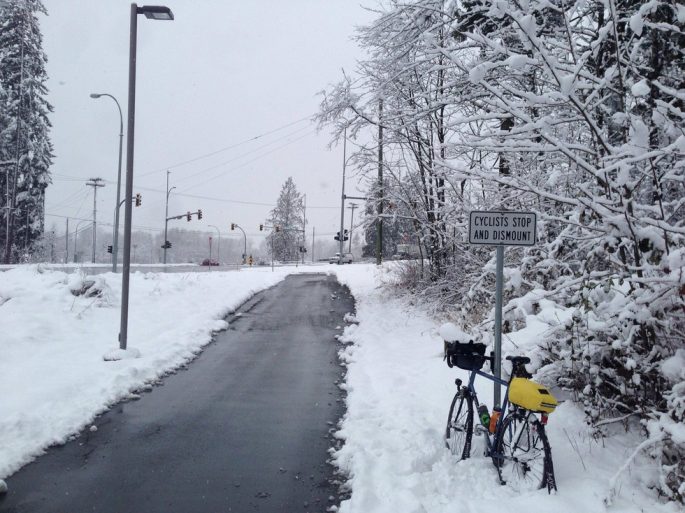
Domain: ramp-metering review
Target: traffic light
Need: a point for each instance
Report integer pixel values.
(199, 214)
(188, 216)
(337, 236)
(261, 227)
(109, 249)
(139, 199)
(166, 245)
(345, 237)
(278, 228)
(232, 226)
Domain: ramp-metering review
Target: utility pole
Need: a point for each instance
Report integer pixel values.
(351, 207)
(379, 220)
(66, 238)
(94, 183)
(304, 227)
(342, 199)
(313, 236)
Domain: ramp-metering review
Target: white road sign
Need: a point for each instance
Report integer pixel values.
(502, 228)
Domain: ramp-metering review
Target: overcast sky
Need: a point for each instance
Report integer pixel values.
(220, 74)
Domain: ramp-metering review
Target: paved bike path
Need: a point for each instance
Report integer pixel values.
(246, 428)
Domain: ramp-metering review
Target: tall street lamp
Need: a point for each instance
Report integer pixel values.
(218, 246)
(115, 242)
(156, 13)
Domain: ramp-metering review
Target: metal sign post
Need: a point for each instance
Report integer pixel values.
(501, 228)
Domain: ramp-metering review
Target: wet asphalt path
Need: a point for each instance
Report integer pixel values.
(245, 428)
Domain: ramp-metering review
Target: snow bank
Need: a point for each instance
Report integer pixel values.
(399, 391)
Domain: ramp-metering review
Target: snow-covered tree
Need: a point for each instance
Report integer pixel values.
(573, 110)
(287, 223)
(25, 147)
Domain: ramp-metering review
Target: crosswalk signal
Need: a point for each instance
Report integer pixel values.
(139, 199)
(199, 214)
(337, 236)
(188, 216)
(345, 237)
(109, 249)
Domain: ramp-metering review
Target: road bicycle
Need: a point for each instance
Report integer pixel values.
(515, 437)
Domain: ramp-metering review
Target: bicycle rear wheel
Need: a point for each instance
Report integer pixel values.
(523, 456)
(459, 429)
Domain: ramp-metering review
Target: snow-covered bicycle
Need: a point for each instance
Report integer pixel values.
(514, 433)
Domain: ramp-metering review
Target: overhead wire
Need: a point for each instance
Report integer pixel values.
(73, 197)
(238, 157)
(215, 152)
(250, 161)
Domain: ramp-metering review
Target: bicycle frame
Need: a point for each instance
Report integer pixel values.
(490, 439)
(517, 433)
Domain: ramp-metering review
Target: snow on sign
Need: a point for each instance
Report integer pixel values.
(502, 228)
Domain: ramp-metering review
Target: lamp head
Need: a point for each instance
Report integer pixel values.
(156, 12)
(95, 95)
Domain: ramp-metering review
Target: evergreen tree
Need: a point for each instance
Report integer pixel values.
(25, 147)
(287, 221)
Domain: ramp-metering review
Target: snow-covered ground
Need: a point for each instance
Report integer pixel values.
(54, 381)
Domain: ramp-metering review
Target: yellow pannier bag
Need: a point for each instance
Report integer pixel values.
(531, 395)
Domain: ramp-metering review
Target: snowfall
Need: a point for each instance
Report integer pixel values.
(55, 380)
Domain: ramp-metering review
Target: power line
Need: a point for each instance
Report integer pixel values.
(137, 227)
(208, 198)
(250, 152)
(70, 199)
(200, 157)
(249, 161)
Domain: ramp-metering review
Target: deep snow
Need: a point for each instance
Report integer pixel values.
(54, 381)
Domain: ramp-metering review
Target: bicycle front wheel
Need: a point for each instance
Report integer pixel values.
(459, 429)
(522, 454)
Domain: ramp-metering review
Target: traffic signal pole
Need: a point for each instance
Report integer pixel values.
(166, 215)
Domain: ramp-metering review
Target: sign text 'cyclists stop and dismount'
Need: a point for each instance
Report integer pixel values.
(502, 228)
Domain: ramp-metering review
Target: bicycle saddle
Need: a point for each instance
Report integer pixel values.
(518, 360)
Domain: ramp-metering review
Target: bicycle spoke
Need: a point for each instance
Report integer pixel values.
(522, 453)
(460, 425)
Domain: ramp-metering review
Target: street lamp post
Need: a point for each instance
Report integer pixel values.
(115, 241)
(156, 13)
(218, 246)
(166, 215)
